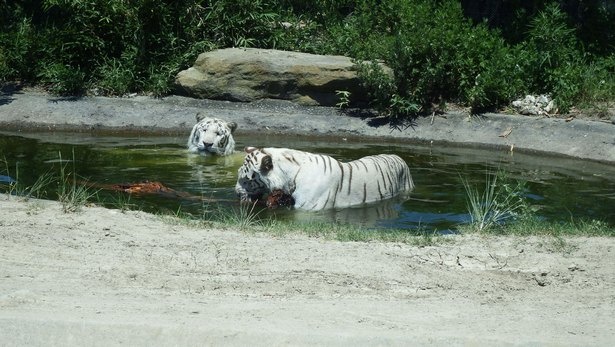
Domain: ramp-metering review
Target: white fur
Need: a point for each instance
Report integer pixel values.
(319, 181)
(212, 136)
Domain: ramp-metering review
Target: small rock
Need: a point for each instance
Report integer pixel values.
(574, 267)
(534, 105)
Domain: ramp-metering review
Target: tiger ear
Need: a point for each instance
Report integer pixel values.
(266, 163)
(250, 149)
(232, 126)
(199, 116)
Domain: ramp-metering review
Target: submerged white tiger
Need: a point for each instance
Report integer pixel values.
(212, 136)
(318, 181)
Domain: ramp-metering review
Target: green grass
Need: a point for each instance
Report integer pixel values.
(243, 217)
(500, 208)
(246, 218)
(72, 196)
(497, 209)
(533, 226)
(36, 190)
(121, 201)
(344, 232)
(498, 202)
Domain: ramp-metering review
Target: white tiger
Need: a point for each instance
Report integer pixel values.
(318, 181)
(212, 136)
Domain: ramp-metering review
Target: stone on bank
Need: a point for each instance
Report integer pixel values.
(249, 74)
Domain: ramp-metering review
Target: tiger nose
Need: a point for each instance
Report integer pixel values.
(207, 144)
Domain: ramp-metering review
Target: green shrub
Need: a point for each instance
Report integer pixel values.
(380, 86)
(557, 60)
(598, 81)
(437, 54)
(241, 23)
(62, 79)
(16, 46)
(115, 76)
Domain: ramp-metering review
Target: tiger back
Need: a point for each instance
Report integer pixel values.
(212, 136)
(318, 181)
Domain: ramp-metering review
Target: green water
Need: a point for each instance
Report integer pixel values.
(558, 188)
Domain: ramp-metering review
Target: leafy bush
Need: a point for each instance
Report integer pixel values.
(115, 76)
(598, 81)
(16, 44)
(437, 53)
(557, 60)
(62, 79)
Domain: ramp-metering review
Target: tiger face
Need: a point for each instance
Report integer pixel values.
(212, 136)
(252, 180)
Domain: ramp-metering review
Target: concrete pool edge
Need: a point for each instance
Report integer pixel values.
(577, 138)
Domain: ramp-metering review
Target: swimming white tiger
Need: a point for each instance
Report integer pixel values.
(212, 136)
(318, 181)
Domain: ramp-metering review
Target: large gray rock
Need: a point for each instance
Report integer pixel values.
(247, 74)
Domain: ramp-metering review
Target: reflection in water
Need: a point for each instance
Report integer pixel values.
(561, 187)
(367, 215)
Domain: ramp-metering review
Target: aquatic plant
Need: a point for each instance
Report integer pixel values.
(72, 195)
(498, 202)
(13, 186)
(246, 216)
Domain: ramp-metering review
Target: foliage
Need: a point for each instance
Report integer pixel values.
(436, 51)
(439, 55)
(14, 49)
(246, 216)
(344, 96)
(557, 61)
(500, 201)
(380, 86)
(71, 194)
(575, 227)
(242, 23)
(598, 87)
(62, 79)
(16, 187)
(115, 47)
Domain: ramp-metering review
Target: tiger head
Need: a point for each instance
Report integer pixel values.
(259, 175)
(212, 136)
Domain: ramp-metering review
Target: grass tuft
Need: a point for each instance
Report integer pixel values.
(73, 196)
(499, 202)
(244, 217)
(16, 188)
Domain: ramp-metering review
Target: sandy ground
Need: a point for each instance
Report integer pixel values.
(102, 277)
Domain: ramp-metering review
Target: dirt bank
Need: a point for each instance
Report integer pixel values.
(579, 138)
(102, 277)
